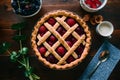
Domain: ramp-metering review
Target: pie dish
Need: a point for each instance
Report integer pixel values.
(61, 39)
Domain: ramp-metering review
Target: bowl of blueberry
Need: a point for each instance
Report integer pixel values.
(26, 8)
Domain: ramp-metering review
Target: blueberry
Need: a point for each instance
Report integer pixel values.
(18, 11)
(14, 5)
(37, 7)
(24, 12)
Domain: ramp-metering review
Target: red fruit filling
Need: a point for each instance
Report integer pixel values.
(51, 40)
(80, 49)
(70, 21)
(79, 30)
(42, 30)
(61, 30)
(69, 43)
(70, 59)
(51, 59)
(61, 50)
(70, 40)
(51, 21)
(42, 50)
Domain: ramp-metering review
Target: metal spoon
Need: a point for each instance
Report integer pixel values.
(102, 58)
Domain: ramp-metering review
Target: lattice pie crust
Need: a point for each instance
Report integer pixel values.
(60, 16)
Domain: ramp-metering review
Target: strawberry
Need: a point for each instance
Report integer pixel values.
(51, 21)
(70, 21)
(93, 5)
(98, 2)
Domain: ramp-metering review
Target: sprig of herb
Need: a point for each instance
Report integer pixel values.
(20, 56)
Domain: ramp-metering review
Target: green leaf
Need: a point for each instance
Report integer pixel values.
(18, 26)
(28, 71)
(4, 47)
(35, 76)
(24, 50)
(13, 56)
(19, 37)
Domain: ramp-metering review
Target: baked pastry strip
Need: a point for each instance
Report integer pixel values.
(71, 50)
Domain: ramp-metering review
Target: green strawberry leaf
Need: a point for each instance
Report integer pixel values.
(18, 26)
(4, 47)
(19, 37)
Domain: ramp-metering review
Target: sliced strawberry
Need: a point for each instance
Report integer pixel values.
(98, 2)
(88, 2)
(93, 5)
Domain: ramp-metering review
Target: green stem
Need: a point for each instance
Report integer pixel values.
(20, 42)
(21, 63)
(18, 5)
(8, 52)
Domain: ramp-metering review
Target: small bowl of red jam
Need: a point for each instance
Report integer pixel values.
(92, 5)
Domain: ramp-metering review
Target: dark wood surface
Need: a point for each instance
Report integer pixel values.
(10, 71)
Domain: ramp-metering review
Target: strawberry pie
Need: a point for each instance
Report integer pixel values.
(61, 39)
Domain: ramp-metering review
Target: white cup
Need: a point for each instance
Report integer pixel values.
(105, 29)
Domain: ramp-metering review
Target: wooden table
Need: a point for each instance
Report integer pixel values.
(10, 71)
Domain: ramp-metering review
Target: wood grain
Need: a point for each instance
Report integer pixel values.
(9, 71)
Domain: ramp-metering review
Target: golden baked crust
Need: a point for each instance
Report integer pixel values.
(60, 16)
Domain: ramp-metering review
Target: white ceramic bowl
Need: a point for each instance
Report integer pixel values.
(105, 29)
(31, 14)
(88, 9)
